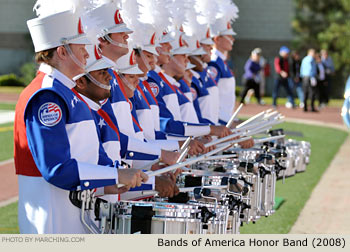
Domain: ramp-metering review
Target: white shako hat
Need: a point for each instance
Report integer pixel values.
(228, 12)
(108, 17)
(97, 61)
(207, 11)
(127, 64)
(179, 44)
(145, 39)
(194, 46)
(58, 23)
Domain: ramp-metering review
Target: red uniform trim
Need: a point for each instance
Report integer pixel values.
(24, 161)
(121, 85)
(146, 84)
(143, 95)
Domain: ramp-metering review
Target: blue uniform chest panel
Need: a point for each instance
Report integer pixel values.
(200, 88)
(105, 132)
(182, 98)
(116, 93)
(223, 70)
(149, 97)
(138, 101)
(164, 89)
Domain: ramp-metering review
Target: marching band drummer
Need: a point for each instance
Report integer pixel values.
(167, 95)
(218, 68)
(113, 43)
(56, 143)
(144, 101)
(128, 79)
(94, 86)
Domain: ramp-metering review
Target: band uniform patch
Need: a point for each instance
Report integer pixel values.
(50, 114)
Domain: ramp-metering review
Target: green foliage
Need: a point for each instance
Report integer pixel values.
(325, 25)
(28, 72)
(10, 80)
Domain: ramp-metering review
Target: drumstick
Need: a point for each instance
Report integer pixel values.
(191, 189)
(190, 161)
(259, 128)
(182, 164)
(223, 139)
(184, 189)
(235, 141)
(251, 119)
(185, 144)
(229, 123)
(219, 157)
(182, 149)
(265, 117)
(267, 139)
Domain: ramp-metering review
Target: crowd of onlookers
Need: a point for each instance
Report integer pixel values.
(308, 77)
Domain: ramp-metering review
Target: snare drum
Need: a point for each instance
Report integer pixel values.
(170, 218)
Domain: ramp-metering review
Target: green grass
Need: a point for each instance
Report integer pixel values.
(11, 90)
(325, 143)
(8, 219)
(6, 141)
(296, 190)
(7, 106)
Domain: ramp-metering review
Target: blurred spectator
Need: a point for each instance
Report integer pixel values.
(264, 73)
(308, 72)
(322, 84)
(329, 65)
(296, 80)
(282, 70)
(252, 77)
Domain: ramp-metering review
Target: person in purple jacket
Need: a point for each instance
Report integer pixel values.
(251, 76)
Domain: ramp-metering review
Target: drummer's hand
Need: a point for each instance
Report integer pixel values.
(169, 157)
(114, 190)
(235, 124)
(131, 177)
(204, 140)
(196, 147)
(165, 186)
(173, 175)
(157, 166)
(219, 131)
(247, 144)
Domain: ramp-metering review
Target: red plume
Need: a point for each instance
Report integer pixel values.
(118, 18)
(80, 27)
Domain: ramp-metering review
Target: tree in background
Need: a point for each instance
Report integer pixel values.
(325, 25)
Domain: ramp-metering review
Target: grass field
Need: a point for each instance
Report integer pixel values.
(296, 190)
(6, 141)
(7, 106)
(8, 219)
(11, 90)
(325, 143)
